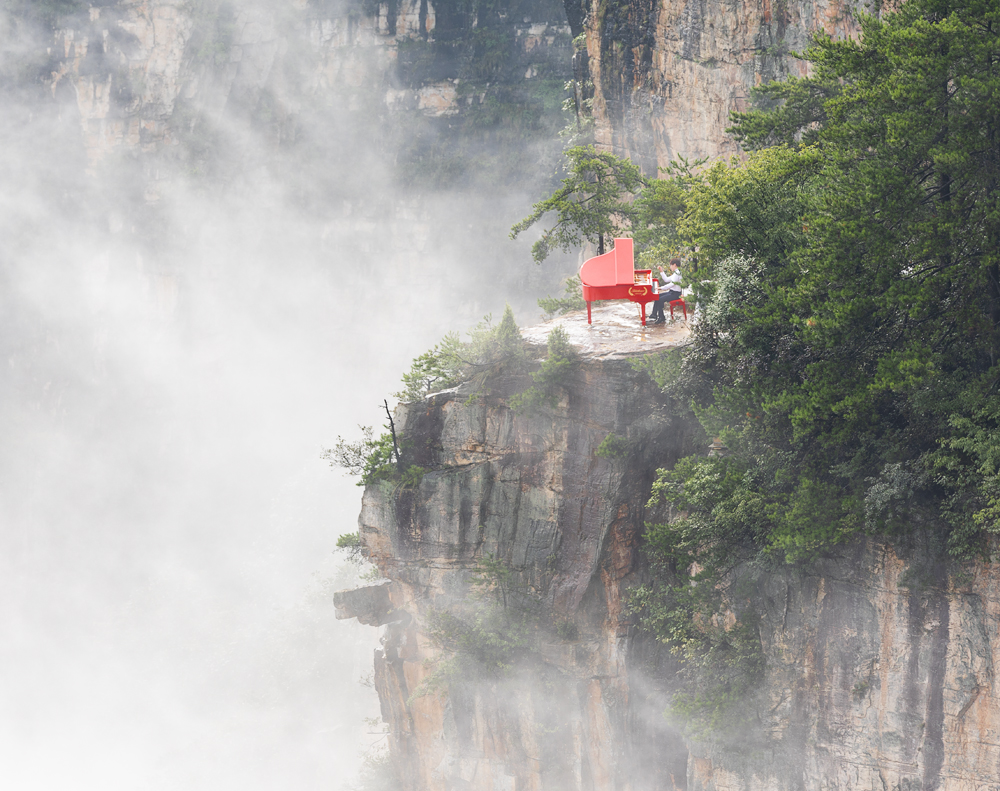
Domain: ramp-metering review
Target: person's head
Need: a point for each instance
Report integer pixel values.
(675, 264)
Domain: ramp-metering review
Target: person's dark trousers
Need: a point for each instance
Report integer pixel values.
(656, 314)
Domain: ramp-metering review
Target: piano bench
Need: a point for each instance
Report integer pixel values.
(683, 306)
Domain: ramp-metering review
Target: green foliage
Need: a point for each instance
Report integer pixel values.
(494, 577)
(660, 207)
(370, 458)
(688, 609)
(483, 640)
(351, 544)
(484, 645)
(551, 378)
(723, 669)
(591, 205)
(412, 475)
(789, 113)
(492, 49)
(663, 367)
(499, 347)
(349, 541)
(699, 558)
(571, 300)
(612, 447)
(434, 370)
(849, 279)
(490, 350)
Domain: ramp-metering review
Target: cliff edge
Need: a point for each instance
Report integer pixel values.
(879, 660)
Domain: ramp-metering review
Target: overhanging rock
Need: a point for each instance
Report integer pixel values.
(371, 605)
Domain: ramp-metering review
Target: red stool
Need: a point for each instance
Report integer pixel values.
(683, 305)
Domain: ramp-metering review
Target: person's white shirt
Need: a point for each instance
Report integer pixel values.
(671, 282)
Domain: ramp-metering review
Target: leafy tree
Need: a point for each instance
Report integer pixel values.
(660, 207)
(551, 377)
(351, 544)
(571, 300)
(849, 350)
(436, 369)
(591, 204)
(370, 458)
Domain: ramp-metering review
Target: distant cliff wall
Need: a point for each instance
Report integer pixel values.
(148, 77)
(667, 73)
(880, 661)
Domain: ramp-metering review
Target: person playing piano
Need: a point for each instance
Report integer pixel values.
(670, 289)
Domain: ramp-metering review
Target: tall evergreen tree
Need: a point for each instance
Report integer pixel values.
(853, 347)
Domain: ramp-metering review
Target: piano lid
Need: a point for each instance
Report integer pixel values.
(614, 268)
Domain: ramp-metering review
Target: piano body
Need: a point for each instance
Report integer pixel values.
(613, 276)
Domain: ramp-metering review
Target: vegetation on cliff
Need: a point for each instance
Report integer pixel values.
(490, 351)
(591, 205)
(848, 345)
(848, 352)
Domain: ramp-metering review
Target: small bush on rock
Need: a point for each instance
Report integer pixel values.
(551, 378)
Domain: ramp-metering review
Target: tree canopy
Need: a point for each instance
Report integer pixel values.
(849, 348)
(591, 205)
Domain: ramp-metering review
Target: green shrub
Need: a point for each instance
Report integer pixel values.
(551, 378)
(434, 370)
(570, 301)
(370, 458)
(351, 544)
(412, 476)
(612, 447)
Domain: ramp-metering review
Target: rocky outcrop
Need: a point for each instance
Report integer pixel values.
(880, 674)
(663, 76)
(667, 74)
(129, 65)
(371, 605)
(879, 658)
(532, 491)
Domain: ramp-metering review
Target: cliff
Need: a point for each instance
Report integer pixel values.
(879, 660)
(530, 490)
(667, 74)
(435, 88)
(447, 90)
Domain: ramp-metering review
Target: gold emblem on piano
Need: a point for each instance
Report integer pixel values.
(638, 291)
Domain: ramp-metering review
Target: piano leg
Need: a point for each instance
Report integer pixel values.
(588, 313)
(642, 308)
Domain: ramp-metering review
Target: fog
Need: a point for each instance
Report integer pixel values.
(178, 347)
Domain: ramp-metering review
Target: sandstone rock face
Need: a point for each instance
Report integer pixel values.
(530, 490)
(667, 73)
(371, 605)
(129, 62)
(880, 675)
(880, 661)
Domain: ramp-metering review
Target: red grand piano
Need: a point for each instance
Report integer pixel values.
(614, 276)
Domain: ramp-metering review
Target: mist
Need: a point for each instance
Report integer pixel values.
(184, 327)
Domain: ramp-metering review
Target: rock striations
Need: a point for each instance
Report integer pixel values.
(880, 667)
(532, 491)
(667, 74)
